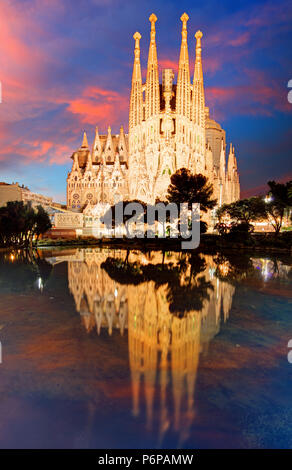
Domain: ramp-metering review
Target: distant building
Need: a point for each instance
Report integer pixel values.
(15, 192)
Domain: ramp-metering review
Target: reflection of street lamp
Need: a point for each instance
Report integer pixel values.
(212, 272)
(40, 283)
(265, 269)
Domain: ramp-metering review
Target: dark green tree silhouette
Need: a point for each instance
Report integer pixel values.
(244, 211)
(42, 222)
(20, 223)
(190, 188)
(280, 201)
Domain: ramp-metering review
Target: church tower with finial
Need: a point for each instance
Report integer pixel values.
(169, 128)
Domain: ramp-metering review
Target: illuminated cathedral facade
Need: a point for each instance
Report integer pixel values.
(169, 128)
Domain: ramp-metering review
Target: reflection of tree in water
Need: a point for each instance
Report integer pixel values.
(23, 270)
(234, 267)
(139, 292)
(136, 272)
(124, 272)
(278, 263)
(186, 290)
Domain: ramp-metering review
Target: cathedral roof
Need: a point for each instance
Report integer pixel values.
(115, 139)
(84, 151)
(212, 124)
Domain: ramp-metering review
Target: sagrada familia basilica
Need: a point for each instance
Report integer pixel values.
(169, 128)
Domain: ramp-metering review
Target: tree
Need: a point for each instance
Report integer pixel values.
(281, 192)
(109, 217)
(42, 222)
(244, 211)
(290, 193)
(189, 188)
(279, 201)
(20, 223)
(16, 219)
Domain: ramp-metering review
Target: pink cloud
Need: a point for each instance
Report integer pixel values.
(24, 62)
(269, 14)
(210, 64)
(165, 63)
(260, 96)
(100, 106)
(25, 66)
(37, 150)
(240, 40)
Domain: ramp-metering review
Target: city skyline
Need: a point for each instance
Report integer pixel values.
(60, 78)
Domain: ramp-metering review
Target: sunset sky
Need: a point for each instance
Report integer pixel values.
(65, 67)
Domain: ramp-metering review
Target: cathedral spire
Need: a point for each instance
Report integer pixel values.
(236, 179)
(183, 78)
(230, 165)
(89, 162)
(152, 78)
(75, 162)
(84, 141)
(96, 148)
(222, 162)
(117, 161)
(122, 145)
(136, 100)
(198, 101)
(234, 159)
(233, 177)
(198, 63)
(109, 148)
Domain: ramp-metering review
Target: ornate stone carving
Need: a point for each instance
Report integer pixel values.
(167, 131)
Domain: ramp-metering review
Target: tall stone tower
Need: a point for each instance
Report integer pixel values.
(169, 128)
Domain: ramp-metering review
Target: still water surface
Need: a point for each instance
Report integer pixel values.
(111, 349)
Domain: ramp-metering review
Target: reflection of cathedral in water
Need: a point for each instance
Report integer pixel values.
(164, 348)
